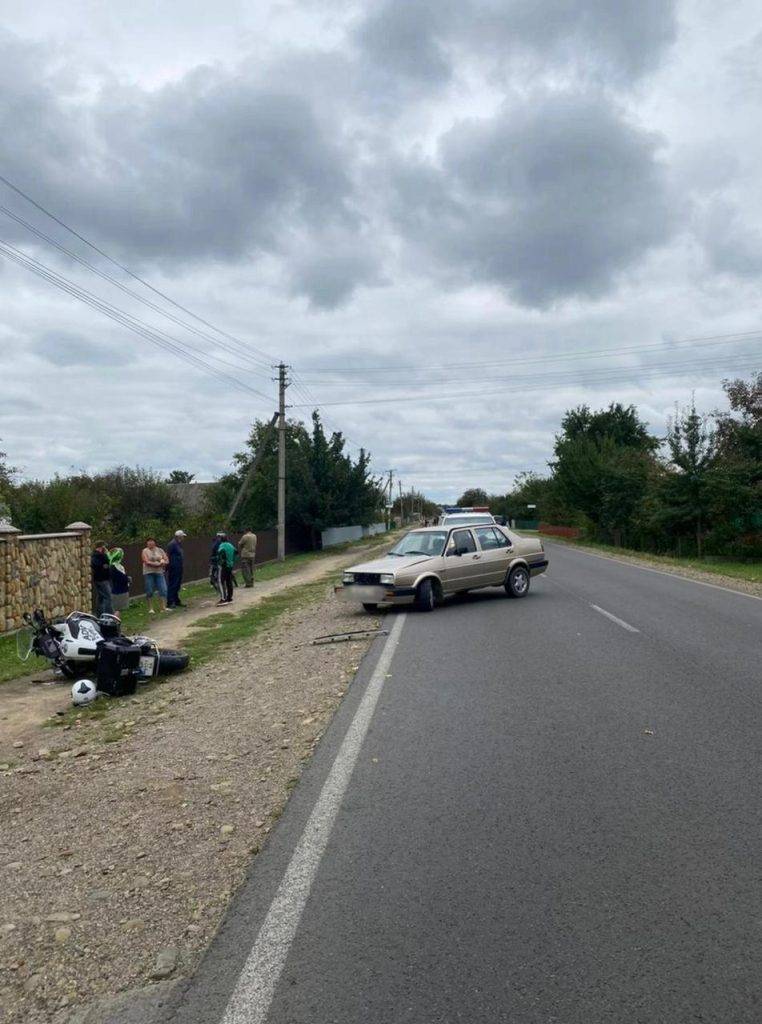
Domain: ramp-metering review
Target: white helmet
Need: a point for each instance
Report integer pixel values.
(83, 692)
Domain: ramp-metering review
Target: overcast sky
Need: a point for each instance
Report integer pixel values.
(481, 212)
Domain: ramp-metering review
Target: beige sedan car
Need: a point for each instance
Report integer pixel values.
(430, 564)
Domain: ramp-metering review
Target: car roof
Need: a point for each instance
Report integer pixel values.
(443, 528)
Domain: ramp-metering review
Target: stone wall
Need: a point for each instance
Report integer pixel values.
(50, 571)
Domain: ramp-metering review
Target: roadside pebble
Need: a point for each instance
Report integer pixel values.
(165, 964)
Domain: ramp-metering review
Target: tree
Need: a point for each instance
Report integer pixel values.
(530, 488)
(603, 465)
(736, 479)
(180, 476)
(473, 496)
(324, 486)
(686, 487)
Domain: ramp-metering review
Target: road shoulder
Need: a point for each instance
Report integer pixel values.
(127, 836)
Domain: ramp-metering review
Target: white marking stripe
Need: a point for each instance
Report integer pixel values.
(619, 622)
(255, 988)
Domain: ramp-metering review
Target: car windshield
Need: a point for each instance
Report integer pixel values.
(420, 543)
(466, 520)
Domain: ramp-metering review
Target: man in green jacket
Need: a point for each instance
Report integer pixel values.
(247, 552)
(225, 560)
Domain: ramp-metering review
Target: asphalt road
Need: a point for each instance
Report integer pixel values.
(534, 812)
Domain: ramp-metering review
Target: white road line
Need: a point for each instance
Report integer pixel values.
(662, 572)
(255, 988)
(619, 622)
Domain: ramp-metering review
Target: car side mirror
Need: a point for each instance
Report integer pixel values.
(454, 551)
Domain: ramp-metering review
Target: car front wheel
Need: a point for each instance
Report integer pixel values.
(517, 584)
(425, 597)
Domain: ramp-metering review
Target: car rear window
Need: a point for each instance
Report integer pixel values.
(466, 520)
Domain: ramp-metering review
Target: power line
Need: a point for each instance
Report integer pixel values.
(543, 382)
(267, 358)
(560, 357)
(133, 294)
(139, 327)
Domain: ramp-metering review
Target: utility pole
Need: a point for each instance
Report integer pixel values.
(402, 510)
(282, 385)
(389, 510)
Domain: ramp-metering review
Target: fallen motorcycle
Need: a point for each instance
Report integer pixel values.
(82, 644)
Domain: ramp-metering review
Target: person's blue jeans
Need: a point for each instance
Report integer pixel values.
(155, 583)
(174, 581)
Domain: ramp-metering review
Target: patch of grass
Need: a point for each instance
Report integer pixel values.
(750, 571)
(210, 622)
(204, 644)
(11, 667)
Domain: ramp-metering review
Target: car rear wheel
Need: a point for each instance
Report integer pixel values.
(425, 599)
(369, 607)
(517, 584)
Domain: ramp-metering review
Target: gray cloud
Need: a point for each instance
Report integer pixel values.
(551, 199)
(66, 348)
(732, 246)
(214, 166)
(404, 37)
(418, 38)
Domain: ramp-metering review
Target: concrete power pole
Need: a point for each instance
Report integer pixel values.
(391, 495)
(282, 385)
(402, 509)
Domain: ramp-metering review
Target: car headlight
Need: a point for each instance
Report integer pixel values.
(387, 577)
(349, 577)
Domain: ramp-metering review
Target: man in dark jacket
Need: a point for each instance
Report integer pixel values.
(175, 569)
(101, 572)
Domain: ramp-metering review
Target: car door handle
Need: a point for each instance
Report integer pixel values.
(474, 558)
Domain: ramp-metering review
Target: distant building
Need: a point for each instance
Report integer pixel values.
(192, 496)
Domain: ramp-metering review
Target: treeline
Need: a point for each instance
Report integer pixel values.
(324, 487)
(697, 490)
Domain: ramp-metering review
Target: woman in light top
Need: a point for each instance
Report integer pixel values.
(154, 562)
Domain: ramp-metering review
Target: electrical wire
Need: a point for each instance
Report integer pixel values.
(139, 327)
(708, 340)
(133, 294)
(267, 360)
(543, 382)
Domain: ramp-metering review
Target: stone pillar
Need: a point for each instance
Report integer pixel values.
(85, 579)
(10, 610)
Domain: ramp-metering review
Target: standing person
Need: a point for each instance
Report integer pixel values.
(101, 572)
(175, 569)
(154, 561)
(225, 560)
(247, 552)
(213, 564)
(120, 581)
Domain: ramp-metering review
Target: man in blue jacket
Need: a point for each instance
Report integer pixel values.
(175, 569)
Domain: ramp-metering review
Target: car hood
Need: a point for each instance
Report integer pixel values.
(390, 563)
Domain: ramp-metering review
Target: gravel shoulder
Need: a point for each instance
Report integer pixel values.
(125, 837)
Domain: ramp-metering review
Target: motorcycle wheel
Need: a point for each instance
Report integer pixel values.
(172, 661)
(72, 670)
